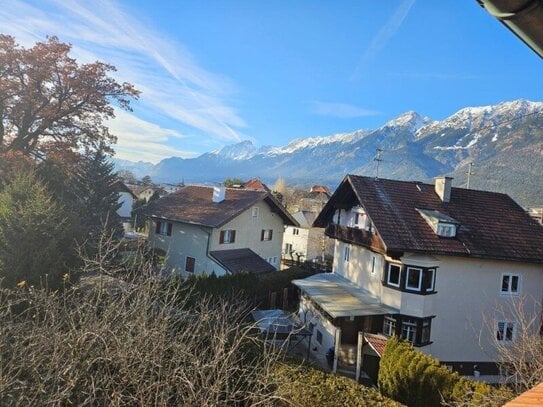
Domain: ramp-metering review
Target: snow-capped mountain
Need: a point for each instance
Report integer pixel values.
(505, 142)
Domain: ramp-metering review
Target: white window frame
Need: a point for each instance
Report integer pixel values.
(503, 331)
(399, 275)
(228, 236)
(346, 253)
(446, 229)
(407, 287)
(163, 230)
(510, 284)
(372, 264)
(255, 212)
(426, 323)
(267, 235)
(295, 231)
(389, 326)
(433, 285)
(287, 247)
(411, 328)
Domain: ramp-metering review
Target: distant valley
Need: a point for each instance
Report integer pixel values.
(504, 141)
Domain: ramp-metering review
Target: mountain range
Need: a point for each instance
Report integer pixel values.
(504, 142)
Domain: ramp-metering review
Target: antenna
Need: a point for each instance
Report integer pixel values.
(470, 173)
(378, 160)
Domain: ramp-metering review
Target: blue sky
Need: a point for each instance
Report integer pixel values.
(216, 72)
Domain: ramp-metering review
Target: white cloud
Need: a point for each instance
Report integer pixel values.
(173, 84)
(342, 110)
(142, 140)
(382, 37)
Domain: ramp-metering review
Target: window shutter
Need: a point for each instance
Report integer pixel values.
(262, 235)
(233, 236)
(221, 237)
(271, 234)
(170, 229)
(157, 229)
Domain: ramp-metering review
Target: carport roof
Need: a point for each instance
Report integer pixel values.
(338, 297)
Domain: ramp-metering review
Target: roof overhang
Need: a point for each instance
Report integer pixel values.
(338, 297)
(522, 17)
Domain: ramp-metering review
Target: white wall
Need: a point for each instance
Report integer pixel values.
(126, 200)
(308, 314)
(468, 303)
(359, 267)
(248, 233)
(186, 240)
(466, 306)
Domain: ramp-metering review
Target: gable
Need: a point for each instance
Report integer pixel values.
(490, 225)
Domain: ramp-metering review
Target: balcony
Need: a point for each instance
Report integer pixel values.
(356, 236)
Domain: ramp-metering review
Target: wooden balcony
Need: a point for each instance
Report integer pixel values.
(356, 236)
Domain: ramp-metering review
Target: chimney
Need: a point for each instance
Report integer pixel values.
(443, 188)
(218, 193)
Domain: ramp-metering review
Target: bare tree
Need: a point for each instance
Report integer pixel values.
(137, 341)
(516, 333)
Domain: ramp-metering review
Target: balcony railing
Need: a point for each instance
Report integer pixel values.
(360, 237)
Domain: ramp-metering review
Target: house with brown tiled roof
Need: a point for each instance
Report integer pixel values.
(256, 184)
(145, 192)
(447, 269)
(204, 230)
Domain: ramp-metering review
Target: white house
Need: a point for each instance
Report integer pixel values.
(444, 268)
(305, 242)
(218, 230)
(126, 203)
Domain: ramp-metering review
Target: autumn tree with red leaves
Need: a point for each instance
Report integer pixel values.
(50, 103)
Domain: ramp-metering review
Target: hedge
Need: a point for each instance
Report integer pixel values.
(255, 288)
(305, 385)
(416, 379)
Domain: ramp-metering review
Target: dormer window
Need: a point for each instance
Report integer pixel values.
(442, 225)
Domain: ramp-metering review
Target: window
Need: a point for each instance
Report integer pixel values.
(389, 326)
(356, 219)
(295, 231)
(274, 260)
(254, 212)
(413, 279)
(425, 332)
(446, 229)
(394, 275)
(505, 331)
(430, 280)
(319, 336)
(409, 330)
(372, 264)
(266, 234)
(288, 248)
(163, 228)
(190, 262)
(346, 253)
(510, 284)
(227, 236)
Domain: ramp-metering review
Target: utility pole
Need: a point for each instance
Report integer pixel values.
(470, 173)
(378, 160)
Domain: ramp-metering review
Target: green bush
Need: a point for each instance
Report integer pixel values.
(304, 385)
(416, 379)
